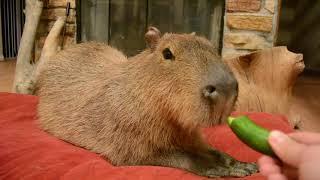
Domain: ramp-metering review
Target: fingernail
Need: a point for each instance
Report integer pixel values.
(277, 137)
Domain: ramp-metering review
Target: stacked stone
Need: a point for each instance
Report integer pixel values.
(51, 11)
(250, 25)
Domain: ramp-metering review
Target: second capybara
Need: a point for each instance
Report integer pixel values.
(147, 110)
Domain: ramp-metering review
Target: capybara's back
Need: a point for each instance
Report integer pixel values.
(72, 87)
(147, 110)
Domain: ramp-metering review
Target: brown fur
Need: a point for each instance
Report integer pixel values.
(142, 111)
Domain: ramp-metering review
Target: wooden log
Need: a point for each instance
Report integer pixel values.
(24, 67)
(266, 79)
(51, 47)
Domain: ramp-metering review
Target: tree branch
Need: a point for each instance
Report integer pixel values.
(50, 47)
(24, 68)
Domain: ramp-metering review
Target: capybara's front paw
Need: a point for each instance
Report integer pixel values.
(241, 169)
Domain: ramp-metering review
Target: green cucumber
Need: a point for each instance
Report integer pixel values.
(251, 134)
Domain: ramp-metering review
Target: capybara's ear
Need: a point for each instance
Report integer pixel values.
(193, 33)
(152, 37)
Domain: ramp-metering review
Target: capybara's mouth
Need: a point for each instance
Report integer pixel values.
(227, 110)
(218, 118)
(223, 118)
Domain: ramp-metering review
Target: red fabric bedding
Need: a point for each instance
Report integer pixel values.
(26, 152)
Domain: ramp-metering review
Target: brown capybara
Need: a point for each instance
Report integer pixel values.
(143, 111)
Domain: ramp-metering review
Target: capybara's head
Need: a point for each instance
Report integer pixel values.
(189, 79)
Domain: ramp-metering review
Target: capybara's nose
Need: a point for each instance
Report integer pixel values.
(227, 87)
(219, 83)
(210, 92)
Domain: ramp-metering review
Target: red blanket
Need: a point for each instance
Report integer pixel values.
(26, 152)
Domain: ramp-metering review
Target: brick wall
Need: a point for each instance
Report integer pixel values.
(53, 9)
(249, 25)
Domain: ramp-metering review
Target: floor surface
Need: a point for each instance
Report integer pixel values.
(6, 75)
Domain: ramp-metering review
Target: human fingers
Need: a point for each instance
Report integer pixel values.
(306, 137)
(269, 169)
(268, 166)
(309, 167)
(277, 176)
(290, 172)
(267, 159)
(288, 150)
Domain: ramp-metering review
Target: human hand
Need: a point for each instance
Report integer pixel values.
(299, 153)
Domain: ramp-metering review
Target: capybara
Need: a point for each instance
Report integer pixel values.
(146, 110)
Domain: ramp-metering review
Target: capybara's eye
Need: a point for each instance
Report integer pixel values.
(167, 54)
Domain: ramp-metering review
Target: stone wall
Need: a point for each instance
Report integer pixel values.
(51, 11)
(249, 25)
